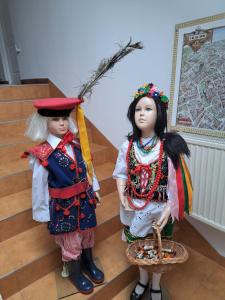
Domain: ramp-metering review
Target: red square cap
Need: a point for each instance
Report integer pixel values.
(56, 107)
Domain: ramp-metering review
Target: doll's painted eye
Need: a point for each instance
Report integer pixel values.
(137, 109)
(148, 108)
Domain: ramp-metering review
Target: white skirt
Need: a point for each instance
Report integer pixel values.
(140, 221)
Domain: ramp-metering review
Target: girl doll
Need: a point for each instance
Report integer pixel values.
(148, 174)
(62, 195)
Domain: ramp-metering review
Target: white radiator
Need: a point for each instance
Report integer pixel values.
(207, 167)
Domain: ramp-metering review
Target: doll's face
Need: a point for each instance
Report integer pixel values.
(145, 114)
(58, 126)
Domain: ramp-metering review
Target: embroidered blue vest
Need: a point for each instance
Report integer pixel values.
(76, 212)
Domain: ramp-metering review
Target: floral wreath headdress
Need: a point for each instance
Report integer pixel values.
(150, 90)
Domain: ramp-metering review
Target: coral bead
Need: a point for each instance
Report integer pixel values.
(77, 203)
(66, 212)
(72, 167)
(44, 163)
(83, 196)
(82, 216)
(57, 208)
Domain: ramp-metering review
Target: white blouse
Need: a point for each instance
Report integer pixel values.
(121, 172)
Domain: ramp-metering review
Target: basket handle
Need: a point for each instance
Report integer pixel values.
(159, 239)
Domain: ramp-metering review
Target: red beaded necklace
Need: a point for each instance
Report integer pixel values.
(130, 185)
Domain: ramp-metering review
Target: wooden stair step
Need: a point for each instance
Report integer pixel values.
(14, 204)
(104, 175)
(200, 278)
(100, 154)
(126, 292)
(17, 109)
(16, 213)
(12, 110)
(205, 282)
(33, 248)
(15, 183)
(27, 91)
(106, 211)
(20, 165)
(117, 271)
(104, 171)
(27, 251)
(16, 176)
(12, 132)
(12, 167)
(13, 115)
(12, 152)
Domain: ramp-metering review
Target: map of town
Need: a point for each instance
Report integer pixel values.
(201, 100)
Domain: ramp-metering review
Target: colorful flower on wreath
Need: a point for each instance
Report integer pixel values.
(151, 90)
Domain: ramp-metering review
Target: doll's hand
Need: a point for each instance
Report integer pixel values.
(123, 200)
(164, 217)
(98, 198)
(121, 185)
(125, 204)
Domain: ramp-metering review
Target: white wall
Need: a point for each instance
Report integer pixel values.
(65, 40)
(9, 64)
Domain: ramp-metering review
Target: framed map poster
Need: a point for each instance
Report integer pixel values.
(197, 94)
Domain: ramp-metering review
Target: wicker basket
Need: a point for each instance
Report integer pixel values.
(160, 264)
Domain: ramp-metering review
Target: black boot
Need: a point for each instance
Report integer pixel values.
(83, 284)
(89, 267)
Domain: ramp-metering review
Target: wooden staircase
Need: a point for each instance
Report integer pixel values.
(28, 254)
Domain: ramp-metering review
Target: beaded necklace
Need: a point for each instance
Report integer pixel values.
(148, 149)
(138, 169)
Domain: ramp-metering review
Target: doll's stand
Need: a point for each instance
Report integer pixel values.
(64, 286)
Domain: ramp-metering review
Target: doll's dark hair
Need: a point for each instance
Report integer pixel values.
(161, 120)
(174, 144)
